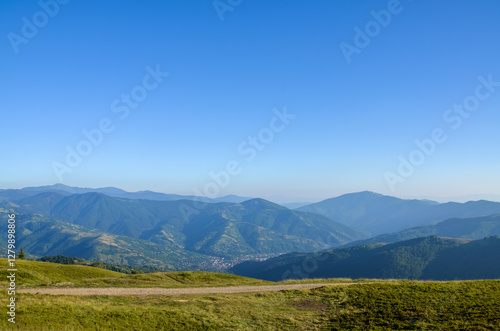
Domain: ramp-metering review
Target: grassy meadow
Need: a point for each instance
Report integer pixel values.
(375, 305)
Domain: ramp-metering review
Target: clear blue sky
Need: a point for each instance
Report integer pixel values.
(353, 120)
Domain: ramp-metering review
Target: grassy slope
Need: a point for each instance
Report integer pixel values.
(34, 273)
(472, 305)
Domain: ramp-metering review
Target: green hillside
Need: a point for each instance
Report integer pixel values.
(421, 258)
(258, 227)
(35, 273)
(45, 236)
(45, 273)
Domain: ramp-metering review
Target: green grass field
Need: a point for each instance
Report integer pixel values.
(380, 305)
(37, 274)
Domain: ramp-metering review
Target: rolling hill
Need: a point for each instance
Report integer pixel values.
(36, 273)
(422, 258)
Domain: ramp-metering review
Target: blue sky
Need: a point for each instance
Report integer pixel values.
(356, 117)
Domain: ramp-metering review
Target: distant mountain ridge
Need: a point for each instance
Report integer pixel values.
(10, 194)
(379, 214)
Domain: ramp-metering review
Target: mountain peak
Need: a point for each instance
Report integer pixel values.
(365, 194)
(360, 196)
(259, 202)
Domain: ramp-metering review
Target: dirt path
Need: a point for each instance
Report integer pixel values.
(173, 291)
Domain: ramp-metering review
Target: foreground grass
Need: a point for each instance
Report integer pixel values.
(408, 305)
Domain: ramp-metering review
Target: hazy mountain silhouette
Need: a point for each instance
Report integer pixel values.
(379, 214)
(112, 192)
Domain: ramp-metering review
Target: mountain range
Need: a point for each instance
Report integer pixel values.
(212, 230)
(9, 194)
(176, 232)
